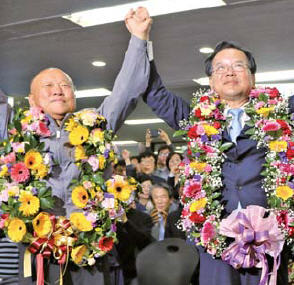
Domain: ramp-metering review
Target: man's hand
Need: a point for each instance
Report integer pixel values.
(125, 154)
(138, 23)
(164, 136)
(148, 138)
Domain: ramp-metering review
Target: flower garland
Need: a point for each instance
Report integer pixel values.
(24, 197)
(103, 203)
(271, 126)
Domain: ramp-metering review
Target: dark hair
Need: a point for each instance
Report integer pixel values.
(170, 156)
(164, 186)
(147, 154)
(165, 147)
(135, 157)
(144, 177)
(120, 163)
(225, 45)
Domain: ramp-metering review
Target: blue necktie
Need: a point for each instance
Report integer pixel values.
(236, 126)
(161, 227)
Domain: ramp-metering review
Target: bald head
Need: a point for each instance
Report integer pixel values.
(53, 91)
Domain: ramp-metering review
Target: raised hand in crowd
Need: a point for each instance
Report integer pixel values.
(125, 154)
(155, 217)
(148, 138)
(164, 136)
(138, 23)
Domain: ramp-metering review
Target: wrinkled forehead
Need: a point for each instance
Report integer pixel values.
(51, 75)
(229, 55)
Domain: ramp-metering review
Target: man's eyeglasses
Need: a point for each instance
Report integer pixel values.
(223, 68)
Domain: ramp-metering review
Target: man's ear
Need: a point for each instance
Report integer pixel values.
(211, 83)
(32, 100)
(253, 80)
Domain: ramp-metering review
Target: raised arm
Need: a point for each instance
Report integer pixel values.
(163, 103)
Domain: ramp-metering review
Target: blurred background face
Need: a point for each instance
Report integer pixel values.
(162, 156)
(147, 164)
(160, 199)
(136, 164)
(146, 188)
(174, 163)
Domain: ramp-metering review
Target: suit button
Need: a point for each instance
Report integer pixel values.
(239, 187)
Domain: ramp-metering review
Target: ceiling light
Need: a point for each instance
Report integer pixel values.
(116, 13)
(99, 63)
(206, 50)
(143, 121)
(98, 92)
(124, 142)
(272, 76)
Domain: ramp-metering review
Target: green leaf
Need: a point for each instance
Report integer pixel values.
(215, 204)
(44, 192)
(216, 195)
(46, 203)
(98, 179)
(179, 133)
(225, 146)
(7, 148)
(17, 125)
(250, 132)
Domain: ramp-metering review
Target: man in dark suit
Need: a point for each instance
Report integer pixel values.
(231, 71)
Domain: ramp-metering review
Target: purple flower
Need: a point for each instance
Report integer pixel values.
(197, 177)
(113, 227)
(204, 138)
(108, 195)
(34, 191)
(216, 137)
(291, 185)
(106, 153)
(283, 156)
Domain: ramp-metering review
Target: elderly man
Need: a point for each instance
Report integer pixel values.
(53, 91)
(231, 72)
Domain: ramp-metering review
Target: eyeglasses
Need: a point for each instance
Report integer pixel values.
(223, 68)
(163, 154)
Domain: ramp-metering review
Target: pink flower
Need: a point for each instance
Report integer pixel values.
(18, 147)
(271, 126)
(4, 196)
(94, 162)
(255, 92)
(207, 148)
(208, 168)
(259, 105)
(9, 158)
(272, 102)
(19, 172)
(37, 113)
(192, 189)
(91, 217)
(208, 232)
(3, 219)
(200, 130)
(287, 168)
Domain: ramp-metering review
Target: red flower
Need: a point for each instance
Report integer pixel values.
(282, 218)
(19, 172)
(274, 93)
(217, 125)
(204, 98)
(43, 130)
(291, 232)
(105, 243)
(285, 127)
(198, 114)
(192, 133)
(290, 151)
(197, 219)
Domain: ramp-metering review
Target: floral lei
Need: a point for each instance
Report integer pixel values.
(24, 196)
(271, 126)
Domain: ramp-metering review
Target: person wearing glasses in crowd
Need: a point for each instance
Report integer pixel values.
(231, 71)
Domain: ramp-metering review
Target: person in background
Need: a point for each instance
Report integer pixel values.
(163, 151)
(163, 204)
(120, 168)
(135, 163)
(9, 254)
(144, 203)
(173, 162)
(147, 165)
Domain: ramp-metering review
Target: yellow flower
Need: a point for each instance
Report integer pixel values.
(80, 153)
(198, 166)
(33, 159)
(27, 118)
(88, 117)
(265, 111)
(78, 135)
(97, 136)
(102, 161)
(278, 146)
(284, 192)
(42, 171)
(119, 188)
(70, 124)
(42, 225)
(77, 253)
(80, 222)
(4, 171)
(16, 230)
(209, 130)
(30, 204)
(198, 205)
(80, 196)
